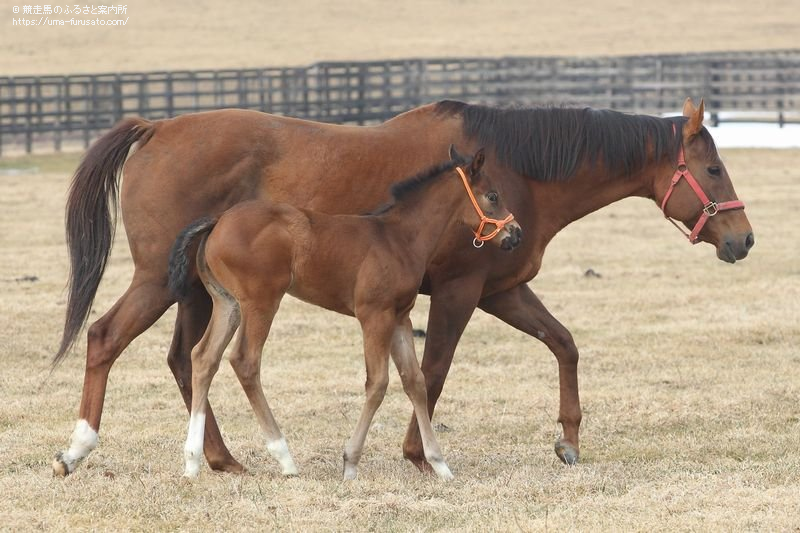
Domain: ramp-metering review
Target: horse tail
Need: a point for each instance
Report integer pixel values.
(178, 258)
(91, 219)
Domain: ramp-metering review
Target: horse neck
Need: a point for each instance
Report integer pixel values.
(559, 204)
(420, 220)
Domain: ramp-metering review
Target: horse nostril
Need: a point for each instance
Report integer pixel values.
(749, 241)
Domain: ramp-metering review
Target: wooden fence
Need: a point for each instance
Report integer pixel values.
(51, 112)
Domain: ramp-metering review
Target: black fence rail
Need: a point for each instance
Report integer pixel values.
(49, 112)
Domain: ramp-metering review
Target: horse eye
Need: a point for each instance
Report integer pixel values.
(714, 171)
(492, 197)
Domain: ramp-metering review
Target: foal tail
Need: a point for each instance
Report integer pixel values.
(91, 218)
(178, 258)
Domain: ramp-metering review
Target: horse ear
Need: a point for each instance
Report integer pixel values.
(688, 108)
(695, 122)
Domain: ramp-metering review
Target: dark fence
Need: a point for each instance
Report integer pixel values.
(49, 112)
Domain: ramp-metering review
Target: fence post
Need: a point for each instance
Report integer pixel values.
(28, 121)
(117, 91)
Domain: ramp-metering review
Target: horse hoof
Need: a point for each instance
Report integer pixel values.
(60, 468)
(566, 452)
(290, 472)
(420, 462)
(231, 466)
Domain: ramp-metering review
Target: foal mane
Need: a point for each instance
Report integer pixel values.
(550, 144)
(401, 189)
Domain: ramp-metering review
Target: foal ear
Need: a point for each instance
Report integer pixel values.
(477, 163)
(454, 155)
(695, 122)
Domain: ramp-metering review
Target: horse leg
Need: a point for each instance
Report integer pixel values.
(193, 315)
(452, 306)
(246, 362)
(137, 309)
(377, 343)
(205, 363)
(520, 308)
(414, 385)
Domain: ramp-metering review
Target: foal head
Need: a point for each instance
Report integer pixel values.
(485, 211)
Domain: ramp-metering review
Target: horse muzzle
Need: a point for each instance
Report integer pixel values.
(735, 249)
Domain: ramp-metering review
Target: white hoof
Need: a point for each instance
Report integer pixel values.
(290, 470)
(350, 472)
(279, 450)
(442, 470)
(192, 470)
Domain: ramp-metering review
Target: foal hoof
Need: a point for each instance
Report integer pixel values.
(567, 452)
(60, 468)
(349, 473)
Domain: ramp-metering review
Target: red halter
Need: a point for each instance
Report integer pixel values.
(710, 208)
(479, 239)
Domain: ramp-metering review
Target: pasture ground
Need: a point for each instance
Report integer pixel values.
(688, 375)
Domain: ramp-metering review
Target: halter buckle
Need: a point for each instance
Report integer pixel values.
(711, 209)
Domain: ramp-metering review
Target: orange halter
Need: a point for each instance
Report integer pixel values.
(479, 239)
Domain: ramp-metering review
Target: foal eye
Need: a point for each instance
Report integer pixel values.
(492, 197)
(714, 171)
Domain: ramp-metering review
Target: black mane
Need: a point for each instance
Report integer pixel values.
(550, 143)
(401, 189)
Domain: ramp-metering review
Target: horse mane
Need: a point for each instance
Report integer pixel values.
(402, 189)
(550, 144)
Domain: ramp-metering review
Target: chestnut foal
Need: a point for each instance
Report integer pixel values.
(369, 267)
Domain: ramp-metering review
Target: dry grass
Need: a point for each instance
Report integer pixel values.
(192, 34)
(689, 388)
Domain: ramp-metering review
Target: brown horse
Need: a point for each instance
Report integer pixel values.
(369, 267)
(553, 166)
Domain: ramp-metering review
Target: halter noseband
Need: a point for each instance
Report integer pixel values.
(479, 239)
(710, 208)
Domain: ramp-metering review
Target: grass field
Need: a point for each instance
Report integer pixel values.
(688, 373)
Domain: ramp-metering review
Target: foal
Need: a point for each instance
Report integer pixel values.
(369, 267)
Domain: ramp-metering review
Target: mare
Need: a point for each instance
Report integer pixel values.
(552, 165)
(369, 267)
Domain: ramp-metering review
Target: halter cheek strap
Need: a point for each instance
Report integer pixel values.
(710, 208)
(479, 239)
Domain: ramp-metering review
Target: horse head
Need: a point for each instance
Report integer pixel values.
(701, 195)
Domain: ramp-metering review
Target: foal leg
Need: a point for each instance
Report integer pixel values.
(377, 342)
(193, 315)
(452, 306)
(145, 300)
(205, 362)
(414, 385)
(519, 307)
(246, 362)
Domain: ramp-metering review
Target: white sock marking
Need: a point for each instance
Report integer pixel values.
(83, 440)
(280, 451)
(193, 450)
